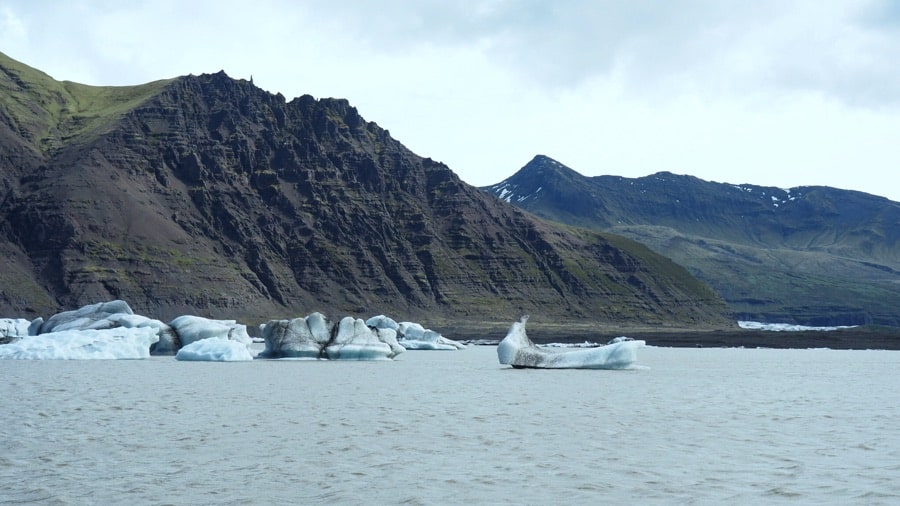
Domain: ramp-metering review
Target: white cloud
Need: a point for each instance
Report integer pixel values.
(767, 92)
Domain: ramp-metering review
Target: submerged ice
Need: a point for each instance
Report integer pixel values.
(787, 327)
(517, 350)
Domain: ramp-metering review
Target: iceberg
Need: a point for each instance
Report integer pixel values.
(413, 336)
(382, 322)
(357, 341)
(210, 335)
(190, 328)
(187, 329)
(106, 315)
(311, 337)
(181, 331)
(517, 350)
(297, 338)
(105, 344)
(90, 317)
(315, 337)
(214, 349)
(787, 327)
(14, 327)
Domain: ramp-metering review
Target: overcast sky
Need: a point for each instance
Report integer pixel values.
(771, 92)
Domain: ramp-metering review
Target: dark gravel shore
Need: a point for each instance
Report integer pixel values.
(862, 338)
(857, 338)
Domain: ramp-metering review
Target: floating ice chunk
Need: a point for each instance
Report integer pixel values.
(194, 328)
(168, 341)
(517, 350)
(106, 315)
(14, 327)
(214, 349)
(297, 338)
(414, 336)
(118, 343)
(786, 327)
(35, 327)
(389, 337)
(357, 341)
(93, 316)
(382, 322)
(316, 337)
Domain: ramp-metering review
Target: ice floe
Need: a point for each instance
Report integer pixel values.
(91, 344)
(517, 350)
(112, 330)
(787, 327)
(316, 337)
(215, 349)
(413, 336)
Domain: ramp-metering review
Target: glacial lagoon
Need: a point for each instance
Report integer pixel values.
(688, 425)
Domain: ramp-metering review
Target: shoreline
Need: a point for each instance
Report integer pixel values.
(856, 338)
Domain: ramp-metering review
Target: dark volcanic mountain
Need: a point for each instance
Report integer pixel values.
(810, 255)
(206, 195)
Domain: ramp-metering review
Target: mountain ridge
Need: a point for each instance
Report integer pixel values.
(207, 195)
(811, 254)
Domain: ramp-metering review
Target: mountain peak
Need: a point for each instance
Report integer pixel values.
(207, 195)
(540, 159)
(544, 178)
(837, 260)
(541, 171)
(546, 164)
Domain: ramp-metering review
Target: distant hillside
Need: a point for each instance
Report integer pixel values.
(206, 195)
(811, 255)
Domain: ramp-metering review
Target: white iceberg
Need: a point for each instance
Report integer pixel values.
(117, 314)
(105, 344)
(517, 350)
(106, 315)
(413, 336)
(787, 327)
(214, 349)
(191, 328)
(357, 341)
(315, 337)
(303, 338)
(90, 317)
(382, 322)
(14, 327)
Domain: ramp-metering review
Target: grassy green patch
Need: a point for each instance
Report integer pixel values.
(49, 112)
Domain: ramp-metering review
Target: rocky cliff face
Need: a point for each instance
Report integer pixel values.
(206, 195)
(809, 255)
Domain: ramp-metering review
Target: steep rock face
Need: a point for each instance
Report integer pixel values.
(810, 255)
(205, 194)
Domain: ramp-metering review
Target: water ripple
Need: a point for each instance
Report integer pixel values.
(694, 426)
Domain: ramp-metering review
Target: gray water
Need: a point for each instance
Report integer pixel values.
(694, 426)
